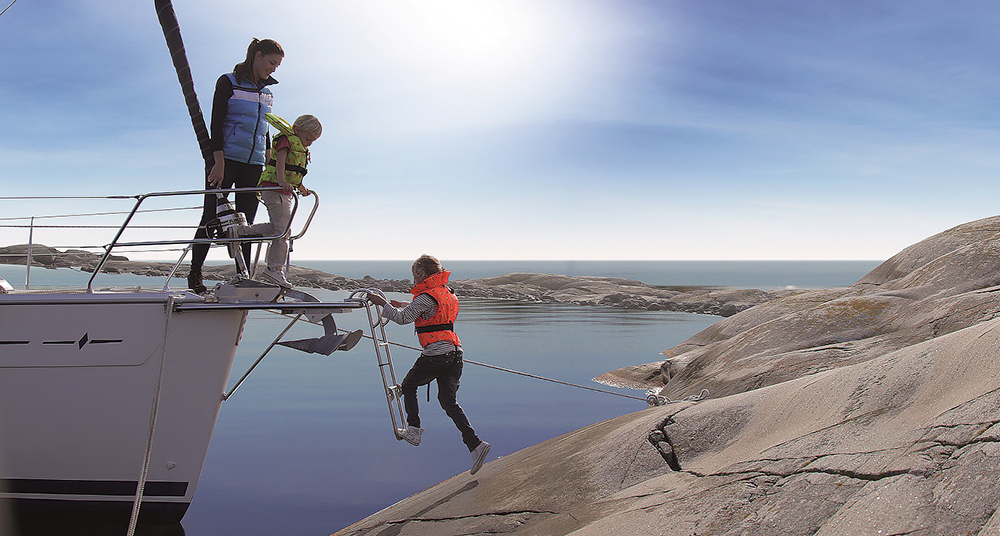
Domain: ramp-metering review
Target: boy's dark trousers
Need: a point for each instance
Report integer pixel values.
(447, 370)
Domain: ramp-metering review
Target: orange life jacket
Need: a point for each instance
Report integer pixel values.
(441, 326)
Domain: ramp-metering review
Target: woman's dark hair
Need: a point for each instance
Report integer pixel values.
(244, 71)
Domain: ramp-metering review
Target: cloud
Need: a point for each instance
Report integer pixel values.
(634, 129)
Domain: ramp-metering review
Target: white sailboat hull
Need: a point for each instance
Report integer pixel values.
(79, 377)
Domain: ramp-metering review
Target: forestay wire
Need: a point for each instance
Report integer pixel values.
(6, 8)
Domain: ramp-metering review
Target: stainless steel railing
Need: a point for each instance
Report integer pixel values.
(138, 200)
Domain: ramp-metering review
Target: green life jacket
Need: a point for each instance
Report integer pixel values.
(295, 162)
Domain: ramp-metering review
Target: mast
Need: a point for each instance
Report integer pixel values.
(172, 33)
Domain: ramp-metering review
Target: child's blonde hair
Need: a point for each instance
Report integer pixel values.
(430, 265)
(309, 124)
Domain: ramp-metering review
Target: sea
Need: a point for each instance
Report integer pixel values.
(305, 446)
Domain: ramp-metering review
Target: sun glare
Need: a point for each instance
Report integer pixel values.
(481, 39)
(444, 64)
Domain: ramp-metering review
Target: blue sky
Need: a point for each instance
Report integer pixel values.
(541, 129)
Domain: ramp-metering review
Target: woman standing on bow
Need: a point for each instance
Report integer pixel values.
(239, 140)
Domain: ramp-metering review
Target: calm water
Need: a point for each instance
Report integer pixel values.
(305, 446)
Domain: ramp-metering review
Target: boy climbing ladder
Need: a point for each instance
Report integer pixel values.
(434, 310)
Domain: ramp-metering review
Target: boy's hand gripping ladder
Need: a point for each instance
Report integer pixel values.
(392, 393)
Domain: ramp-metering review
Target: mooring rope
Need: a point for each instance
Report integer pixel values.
(527, 374)
(154, 410)
(511, 371)
(653, 397)
(553, 380)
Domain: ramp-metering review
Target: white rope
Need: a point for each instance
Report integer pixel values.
(529, 375)
(652, 401)
(654, 398)
(140, 488)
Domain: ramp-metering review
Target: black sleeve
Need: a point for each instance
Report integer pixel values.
(220, 107)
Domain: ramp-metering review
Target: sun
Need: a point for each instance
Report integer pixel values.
(490, 39)
(472, 32)
(443, 64)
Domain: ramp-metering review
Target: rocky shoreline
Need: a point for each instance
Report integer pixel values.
(869, 409)
(865, 410)
(525, 287)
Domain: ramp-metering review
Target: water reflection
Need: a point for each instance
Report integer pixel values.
(305, 447)
(39, 526)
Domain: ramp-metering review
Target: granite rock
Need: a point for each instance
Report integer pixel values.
(940, 285)
(868, 410)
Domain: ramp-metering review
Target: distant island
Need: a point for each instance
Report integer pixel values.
(526, 287)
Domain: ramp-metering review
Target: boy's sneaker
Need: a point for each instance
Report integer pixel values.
(235, 248)
(479, 456)
(275, 276)
(411, 434)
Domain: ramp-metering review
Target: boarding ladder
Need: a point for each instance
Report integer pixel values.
(393, 394)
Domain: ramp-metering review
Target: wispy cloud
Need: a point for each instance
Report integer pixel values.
(682, 129)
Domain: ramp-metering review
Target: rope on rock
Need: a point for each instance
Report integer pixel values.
(654, 398)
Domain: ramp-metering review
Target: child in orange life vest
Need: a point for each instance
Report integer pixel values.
(285, 168)
(434, 309)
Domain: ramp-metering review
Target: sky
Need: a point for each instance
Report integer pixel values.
(536, 129)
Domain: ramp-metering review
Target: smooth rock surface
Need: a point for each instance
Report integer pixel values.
(935, 287)
(870, 410)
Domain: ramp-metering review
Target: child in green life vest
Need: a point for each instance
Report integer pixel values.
(285, 168)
